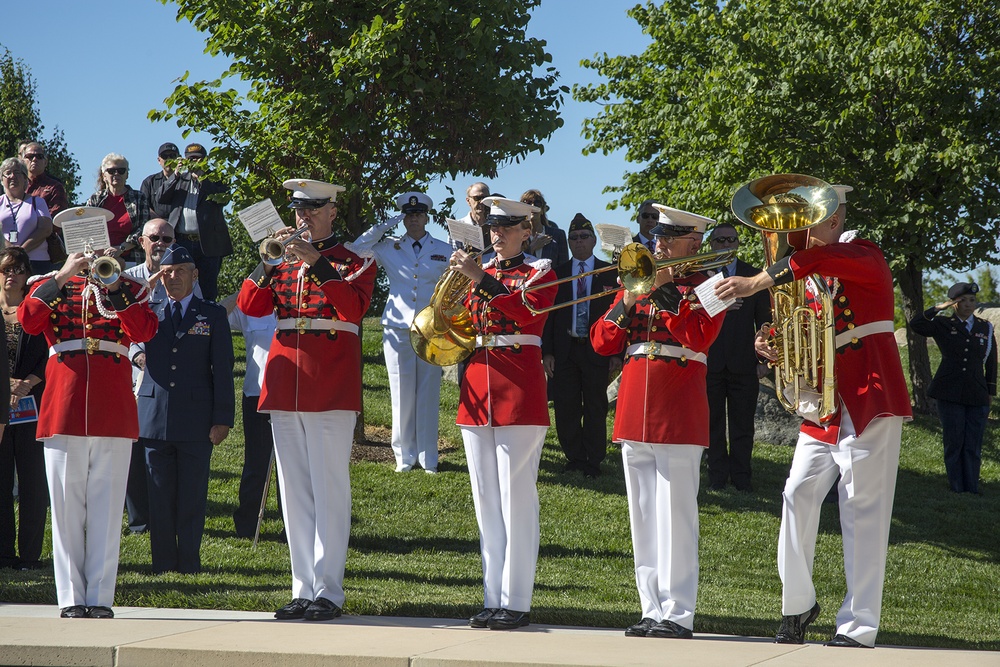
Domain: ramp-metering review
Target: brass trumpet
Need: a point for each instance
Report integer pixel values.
(637, 268)
(103, 269)
(272, 249)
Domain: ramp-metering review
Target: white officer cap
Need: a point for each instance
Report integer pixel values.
(410, 202)
(507, 212)
(307, 193)
(842, 191)
(675, 222)
(79, 213)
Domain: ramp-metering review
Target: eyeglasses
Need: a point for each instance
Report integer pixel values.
(413, 210)
(170, 156)
(35, 156)
(580, 237)
(14, 271)
(11, 174)
(725, 239)
(649, 216)
(534, 202)
(478, 197)
(119, 171)
(156, 238)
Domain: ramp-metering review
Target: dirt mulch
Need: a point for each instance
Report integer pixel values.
(377, 447)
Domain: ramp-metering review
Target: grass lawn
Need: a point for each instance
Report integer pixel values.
(415, 547)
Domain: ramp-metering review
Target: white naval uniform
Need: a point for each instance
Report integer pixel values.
(867, 465)
(414, 385)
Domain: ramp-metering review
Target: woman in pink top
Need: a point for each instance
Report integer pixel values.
(25, 219)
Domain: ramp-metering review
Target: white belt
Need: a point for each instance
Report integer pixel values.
(852, 335)
(303, 324)
(654, 349)
(503, 340)
(91, 345)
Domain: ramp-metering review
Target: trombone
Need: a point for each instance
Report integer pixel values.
(637, 268)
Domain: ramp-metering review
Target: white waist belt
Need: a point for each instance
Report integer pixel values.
(654, 349)
(303, 324)
(849, 336)
(91, 345)
(504, 340)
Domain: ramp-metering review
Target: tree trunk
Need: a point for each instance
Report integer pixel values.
(911, 287)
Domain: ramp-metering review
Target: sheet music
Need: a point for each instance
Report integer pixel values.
(613, 237)
(706, 294)
(261, 220)
(465, 233)
(80, 232)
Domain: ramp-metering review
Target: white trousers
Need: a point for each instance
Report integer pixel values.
(662, 486)
(867, 466)
(503, 470)
(86, 478)
(415, 389)
(313, 453)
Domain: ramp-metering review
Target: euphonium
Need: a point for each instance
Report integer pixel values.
(442, 332)
(783, 207)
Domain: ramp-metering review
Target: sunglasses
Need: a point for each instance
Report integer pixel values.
(726, 239)
(579, 237)
(649, 216)
(35, 156)
(156, 238)
(14, 271)
(478, 197)
(118, 171)
(410, 210)
(170, 156)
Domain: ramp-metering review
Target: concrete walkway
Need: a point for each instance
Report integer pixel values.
(35, 635)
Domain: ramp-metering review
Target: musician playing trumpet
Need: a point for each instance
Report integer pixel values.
(320, 292)
(861, 440)
(503, 412)
(662, 424)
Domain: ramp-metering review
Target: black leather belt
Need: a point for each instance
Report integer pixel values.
(196, 238)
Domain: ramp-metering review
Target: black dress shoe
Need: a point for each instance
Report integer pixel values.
(293, 610)
(508, 619)
(480, 619)
(100, 611)
(793, 628)
(641, 628)
(321, 610)
(669, 630)
(844, 640)
(76, 611)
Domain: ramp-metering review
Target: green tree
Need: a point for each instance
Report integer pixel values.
(20, 121)
(898, 98)
(377, 96)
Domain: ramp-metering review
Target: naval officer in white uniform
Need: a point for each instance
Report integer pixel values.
(413, 263)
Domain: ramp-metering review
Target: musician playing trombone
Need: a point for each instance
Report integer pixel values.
(662, 424)
(503, 412)
(860, 442)
(319, 291)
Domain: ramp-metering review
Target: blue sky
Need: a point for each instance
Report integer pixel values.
(100, 66)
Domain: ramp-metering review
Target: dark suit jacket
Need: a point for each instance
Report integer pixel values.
(555, 338)
(188, 384)
(215, 240)
(733, 349)
(968, 370)
(557, 249)
(30, 359)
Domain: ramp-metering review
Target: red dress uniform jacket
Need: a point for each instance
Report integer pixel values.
(660, 399)
(87, 393)
(505, 386)
(312, 370)
(868, 372)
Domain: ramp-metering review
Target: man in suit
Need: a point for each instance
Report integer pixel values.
(196, 216)
(647, 217)
(734, 373)
(579, 375)
(186, 407)
(965, 382)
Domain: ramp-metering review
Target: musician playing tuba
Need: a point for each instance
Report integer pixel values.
(662, 424)
(861, 440)
(503, 412)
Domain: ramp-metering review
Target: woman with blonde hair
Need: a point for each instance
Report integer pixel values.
(129, 208)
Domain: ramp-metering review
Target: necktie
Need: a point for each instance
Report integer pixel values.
(725, 272)
(416, 247)
(651, 244)
(582, 310)
(176, 316)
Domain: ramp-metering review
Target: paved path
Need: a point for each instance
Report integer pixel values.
(34, 635)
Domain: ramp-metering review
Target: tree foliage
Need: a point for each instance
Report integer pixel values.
(895, 97)
(21, 121)
(379, 96)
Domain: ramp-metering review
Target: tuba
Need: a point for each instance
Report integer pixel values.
(442, 333)
(783, 208)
